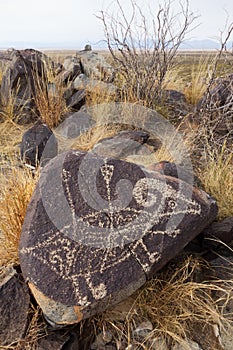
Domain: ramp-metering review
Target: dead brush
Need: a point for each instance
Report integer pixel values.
(49, 97)
(15, 194)
(175, 302)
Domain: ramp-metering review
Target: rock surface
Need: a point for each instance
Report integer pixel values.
(96, 229)
(122, 145)
(95, 65)
(14, 306)
(19, 81)
(38, 145)
(74, 125)
(90, 84)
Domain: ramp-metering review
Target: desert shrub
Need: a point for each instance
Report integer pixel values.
(143, 46)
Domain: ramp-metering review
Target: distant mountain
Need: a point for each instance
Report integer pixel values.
(195, 44)
(204, 44)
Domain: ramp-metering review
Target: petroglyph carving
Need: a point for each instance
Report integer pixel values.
(105, 252)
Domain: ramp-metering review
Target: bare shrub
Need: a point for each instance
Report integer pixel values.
(143, 46)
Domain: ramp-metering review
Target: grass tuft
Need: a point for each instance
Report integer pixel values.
(175, 303)
(15, 193)
(49, 97)
(200, 76)
(217, 179)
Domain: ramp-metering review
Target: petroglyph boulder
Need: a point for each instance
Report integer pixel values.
(97, 228)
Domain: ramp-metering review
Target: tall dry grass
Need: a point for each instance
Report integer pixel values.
(217, 178)
(15, 193)
(201, 74)
(49, 96)
(178, 304)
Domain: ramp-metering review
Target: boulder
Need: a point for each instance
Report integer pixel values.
(94, 65)
(54, 341)
(18, 81)
(76, 99)
(97, 228)
(14, 306)
(90, 84)
(218, 101)
(217, 235)
(74, 125)
(122, 145)
(71, 69)
(38, 145)
(176, 103)
(175, 170)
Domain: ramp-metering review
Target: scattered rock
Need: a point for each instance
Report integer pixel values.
(143, 330)
(218, 233)
(90, 84)
(76, 100)
(38, 145)
(96, 229)
(19, 81)
(172, 169)
(158, 344)
(14, 306)
(54, 341)
(95, 65)
(176, 103)
(122, 145)
(120, 311)
(219, 102)
(191, 345)
(72, 67)
(74, 125)
(101, 340)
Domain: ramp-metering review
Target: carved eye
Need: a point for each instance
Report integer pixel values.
(171, 204)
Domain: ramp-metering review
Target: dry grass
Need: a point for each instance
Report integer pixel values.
(1, 74)
(15, 193)
(217, 178)
(87, 140)
(175, 302)
(200, 75)
(50, 101)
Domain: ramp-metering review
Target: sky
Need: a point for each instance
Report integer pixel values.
(74, 21)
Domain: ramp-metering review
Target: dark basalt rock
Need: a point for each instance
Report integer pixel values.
(54, 341)
(74, 125)
(218, 234)
(24, 68)
(122, 145)
(175, 170)
(38, 145)
(218, 103)
(77, 99)
(97, 228)
(14, 306)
